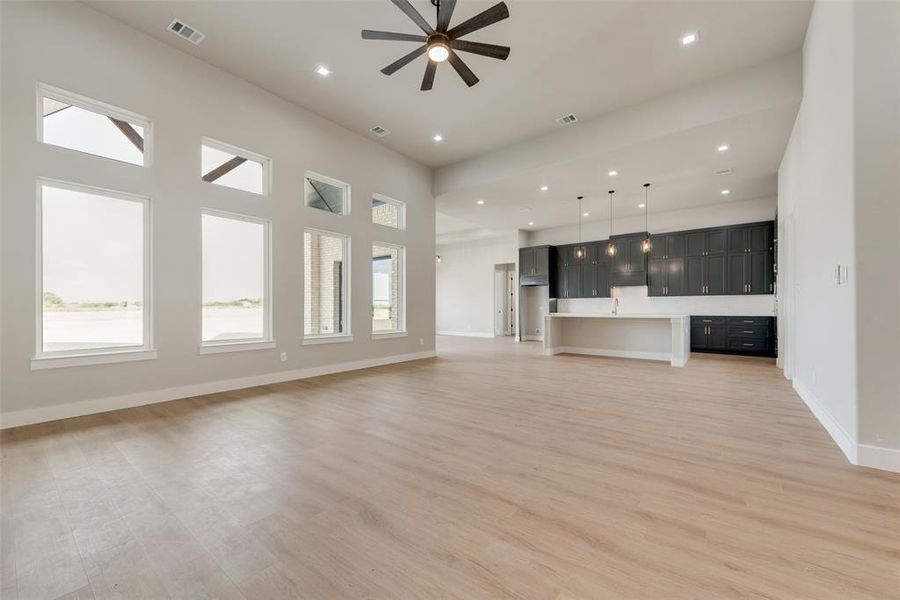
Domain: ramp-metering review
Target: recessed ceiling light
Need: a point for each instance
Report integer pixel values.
(323, 70)
(726, 192)
(438, 138)
(613, 173)
(587, 214)
(479, 202)
(544, 188)
(723, 148)
(689, 38)
(531, 222)
(642, 205)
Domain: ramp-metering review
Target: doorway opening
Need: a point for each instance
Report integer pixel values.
(504, 299)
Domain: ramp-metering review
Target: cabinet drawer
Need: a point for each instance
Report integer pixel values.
(748, 345)
(701, 321)
(752, 321)
(748, 331)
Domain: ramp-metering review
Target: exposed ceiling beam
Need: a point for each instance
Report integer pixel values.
(224, 168)
(130, 132)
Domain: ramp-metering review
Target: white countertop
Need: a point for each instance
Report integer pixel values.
(612, 316)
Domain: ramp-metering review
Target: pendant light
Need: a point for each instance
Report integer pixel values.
(610, 246)
(645, 245)
(580, 251)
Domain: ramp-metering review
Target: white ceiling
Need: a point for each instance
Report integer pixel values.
(681, 168)
(580, 56)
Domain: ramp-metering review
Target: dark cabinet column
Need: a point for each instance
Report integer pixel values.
(694, 276)
(675, 278)
(657, 277)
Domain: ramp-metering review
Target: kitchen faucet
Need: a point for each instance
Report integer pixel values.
(615, 310)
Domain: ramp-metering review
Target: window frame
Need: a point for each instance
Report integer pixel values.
(43, 90)
(265, 161)
(401, 211)
(400, 331)
(345, 201)
(66, 358)
(347, 334)
(267, 341)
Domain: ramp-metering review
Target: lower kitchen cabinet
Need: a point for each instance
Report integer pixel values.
(733, 335)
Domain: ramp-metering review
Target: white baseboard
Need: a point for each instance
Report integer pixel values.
(477, 334)
(88, 407)
(663, 356)
(533, 338)
(840, 436)
(878, 457)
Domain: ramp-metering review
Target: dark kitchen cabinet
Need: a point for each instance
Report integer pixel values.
(733, 335)
(569, 269)
(535, 267)
(751, 259)
(705, 262)
(666, 270)
(595, 271)
(629, 263)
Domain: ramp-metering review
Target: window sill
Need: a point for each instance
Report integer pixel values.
(386, 335)
(326, 339)
(100, 358)
(235, 347)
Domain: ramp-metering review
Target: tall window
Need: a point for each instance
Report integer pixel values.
(236, 281)
(233, 167)
(325, 278)
(94, 271)
(325, 193)
(89, 126)
(388, 288)
(388, 212)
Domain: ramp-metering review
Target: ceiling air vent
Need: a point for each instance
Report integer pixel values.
(567, 120)
(379, 131)
(727, 171)
(187, 32)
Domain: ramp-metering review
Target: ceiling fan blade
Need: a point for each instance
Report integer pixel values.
(368, 34)
(498, 12)
(501, 52)
(413, 14)
(445, 12)
(402, 62)
(428, 79)
(464, 71)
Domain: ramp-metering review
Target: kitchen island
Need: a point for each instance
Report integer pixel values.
(647, 337)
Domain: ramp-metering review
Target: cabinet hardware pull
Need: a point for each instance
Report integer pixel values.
(749, 288)
(748, 331)
(707, 320)
(748, 344)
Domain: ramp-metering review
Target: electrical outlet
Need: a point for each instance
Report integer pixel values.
(284, 357)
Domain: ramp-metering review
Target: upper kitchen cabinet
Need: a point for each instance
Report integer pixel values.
(666, 267)
(704, 262)
(629, 263)
(535, 266)
(750, 251)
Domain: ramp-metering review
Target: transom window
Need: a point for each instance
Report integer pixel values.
(388, 212)
(236, 279)
(233, 167)
(78, 123)
(325, 193)
(325, 283)
(94, 271)
(388, 288)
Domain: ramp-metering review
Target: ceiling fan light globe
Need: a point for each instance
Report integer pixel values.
(438, 52)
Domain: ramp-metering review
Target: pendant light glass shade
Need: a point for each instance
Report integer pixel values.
(580, 251)
(610, 246)
(645, 244)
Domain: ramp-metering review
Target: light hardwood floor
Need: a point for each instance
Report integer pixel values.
(489, 472)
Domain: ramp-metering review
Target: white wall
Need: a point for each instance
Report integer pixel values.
(838, 203)
(465, 283)
(877, 222)
(73, 47)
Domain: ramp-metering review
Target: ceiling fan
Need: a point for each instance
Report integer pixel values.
(441, 42)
